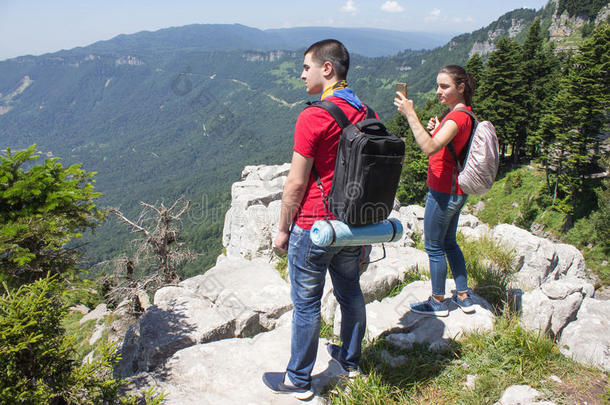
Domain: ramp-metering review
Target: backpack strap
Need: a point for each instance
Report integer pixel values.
(337, 113)
(451, 148)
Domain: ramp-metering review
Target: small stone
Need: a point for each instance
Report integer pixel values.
(519, 394)
(470, 381)
(555, 379)
(80, 308)
(402, 340)
(438, 346)
(393, 360)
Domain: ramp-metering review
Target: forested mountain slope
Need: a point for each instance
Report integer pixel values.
(183, 110)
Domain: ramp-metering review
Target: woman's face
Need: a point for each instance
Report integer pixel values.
(447, 91)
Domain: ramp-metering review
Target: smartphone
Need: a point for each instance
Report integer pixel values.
(402, 87)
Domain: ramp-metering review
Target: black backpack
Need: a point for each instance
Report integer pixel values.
(367, 170)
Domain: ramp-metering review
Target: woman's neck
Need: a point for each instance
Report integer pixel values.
(460, 104)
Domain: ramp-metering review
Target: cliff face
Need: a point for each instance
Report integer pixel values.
(566, 31)
(484, 47)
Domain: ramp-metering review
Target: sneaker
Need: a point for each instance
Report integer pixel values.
(281, 384)
(465, 305)
(430, 307)
(335, 354)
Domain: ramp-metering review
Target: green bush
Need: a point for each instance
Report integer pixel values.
(41, 210)
(39, 359)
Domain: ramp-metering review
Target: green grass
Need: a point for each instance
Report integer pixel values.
(490, 268)
(489, 265)
(411, 275)
(282, 267)
(499, 358)
(418, 239)
(520, 197)
(80, 333)
(326, 332)
(509, 195)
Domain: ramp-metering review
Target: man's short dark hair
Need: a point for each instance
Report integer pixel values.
(333, 51)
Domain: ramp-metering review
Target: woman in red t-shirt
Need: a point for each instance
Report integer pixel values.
(455, 88)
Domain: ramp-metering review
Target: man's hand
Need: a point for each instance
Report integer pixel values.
(281, 241)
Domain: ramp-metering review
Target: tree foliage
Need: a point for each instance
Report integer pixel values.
(42, 208)
(588, 8)
(570, 129)
(501, 95)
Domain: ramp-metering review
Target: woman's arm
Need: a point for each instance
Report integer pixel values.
(428, 144)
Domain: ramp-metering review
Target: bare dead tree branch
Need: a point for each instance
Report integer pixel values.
(161, 244)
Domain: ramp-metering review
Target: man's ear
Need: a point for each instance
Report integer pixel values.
(328, 69)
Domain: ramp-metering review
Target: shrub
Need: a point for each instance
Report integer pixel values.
(41, 210)
(39, 359)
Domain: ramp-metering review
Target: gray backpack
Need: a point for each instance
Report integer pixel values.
(478, 172)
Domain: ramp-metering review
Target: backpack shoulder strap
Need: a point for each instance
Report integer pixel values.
(467, 111)
(370, 113)
(334, 110)
(475, 121)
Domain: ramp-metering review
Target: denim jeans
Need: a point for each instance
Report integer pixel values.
(440, 226)
(307, 265)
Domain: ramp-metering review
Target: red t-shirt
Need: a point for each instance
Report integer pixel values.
(441, 166)
(316, 135)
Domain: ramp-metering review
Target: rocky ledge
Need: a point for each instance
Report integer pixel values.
(209, 339)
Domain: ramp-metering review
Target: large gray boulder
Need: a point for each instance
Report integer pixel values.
(550, 307)
(241, 285)
(230, 371)
(235, 298)
(393, 316)
(587, 340)
(539, 260)
(252, 219)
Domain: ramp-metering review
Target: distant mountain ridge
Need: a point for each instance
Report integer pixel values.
(228, 37)
(183, 110)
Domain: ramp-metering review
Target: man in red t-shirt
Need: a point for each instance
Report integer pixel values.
(316, 138)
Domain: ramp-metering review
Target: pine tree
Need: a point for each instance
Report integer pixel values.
(501, 95)
(570, 129)
(474, 67)
(41, 210)
(540, 67)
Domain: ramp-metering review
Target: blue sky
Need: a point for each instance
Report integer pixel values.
(40, 26)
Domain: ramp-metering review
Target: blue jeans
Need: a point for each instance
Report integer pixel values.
(440, 226)
(307, 264)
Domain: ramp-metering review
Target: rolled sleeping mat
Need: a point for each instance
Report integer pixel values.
(336, 233)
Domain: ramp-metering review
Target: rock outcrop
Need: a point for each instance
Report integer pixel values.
(586, 339)
(210, 338)
(236, 298)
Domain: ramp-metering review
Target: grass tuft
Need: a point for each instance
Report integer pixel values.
(499, 358)
(282, 266)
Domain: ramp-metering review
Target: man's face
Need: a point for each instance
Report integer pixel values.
(313, 75)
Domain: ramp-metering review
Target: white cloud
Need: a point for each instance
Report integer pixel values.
(433, 15)
(349, 7)
(392, 7)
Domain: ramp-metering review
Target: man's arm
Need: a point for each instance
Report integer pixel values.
(294, 190)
